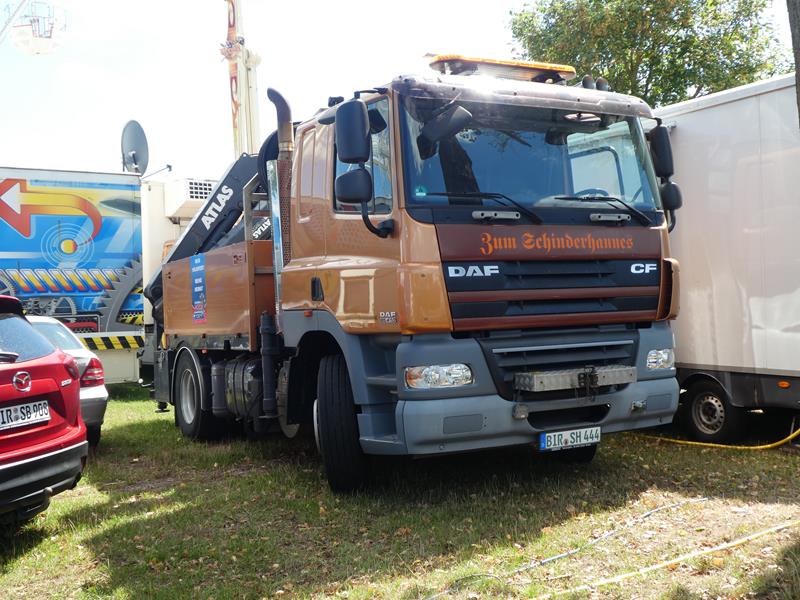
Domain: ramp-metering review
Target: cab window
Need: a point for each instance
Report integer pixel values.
(379, 164)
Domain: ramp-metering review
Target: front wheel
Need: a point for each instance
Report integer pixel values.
(193, 422)
(710, 415)
(336, 427)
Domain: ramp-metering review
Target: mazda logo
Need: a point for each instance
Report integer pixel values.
(22, 381)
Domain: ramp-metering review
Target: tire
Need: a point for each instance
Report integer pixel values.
(337, 427)
(93, 435)
(584, 454)
(710, 416)
(187, 384)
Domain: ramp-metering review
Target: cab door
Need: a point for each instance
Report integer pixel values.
(359, 278)
(309, 205)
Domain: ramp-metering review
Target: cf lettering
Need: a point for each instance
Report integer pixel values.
(640, 268)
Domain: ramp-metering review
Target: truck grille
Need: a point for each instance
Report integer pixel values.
(509, 354)
(551, 293)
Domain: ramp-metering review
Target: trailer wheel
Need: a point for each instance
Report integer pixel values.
(710, 416)
(193, 422)
(337, 428)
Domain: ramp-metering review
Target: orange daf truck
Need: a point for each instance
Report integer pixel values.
(466, 259)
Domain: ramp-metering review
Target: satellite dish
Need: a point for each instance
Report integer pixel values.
(134, 148)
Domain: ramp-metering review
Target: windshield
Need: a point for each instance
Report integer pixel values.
(58, 335)
(535, 156)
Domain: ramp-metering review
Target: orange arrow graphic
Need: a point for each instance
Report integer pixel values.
(18, 215)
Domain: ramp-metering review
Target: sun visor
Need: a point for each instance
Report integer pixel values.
(480, 88)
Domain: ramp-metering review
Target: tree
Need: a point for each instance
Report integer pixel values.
(794, 25)
(664, 51)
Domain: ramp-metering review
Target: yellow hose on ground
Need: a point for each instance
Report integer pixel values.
(785, 440)
(697, 553)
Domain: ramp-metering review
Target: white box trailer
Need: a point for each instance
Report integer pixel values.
(737, 156)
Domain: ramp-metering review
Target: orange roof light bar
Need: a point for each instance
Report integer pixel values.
(456, 64)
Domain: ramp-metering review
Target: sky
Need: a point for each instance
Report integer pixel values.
(158, 61)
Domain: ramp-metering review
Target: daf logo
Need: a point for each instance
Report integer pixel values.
(22, 381)
(473, 271)
(639, 268)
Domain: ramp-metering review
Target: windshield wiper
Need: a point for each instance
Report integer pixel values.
(641, 217)
(491, 196)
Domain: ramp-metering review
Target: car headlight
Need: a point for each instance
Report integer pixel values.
(661, 359)
(438, 376)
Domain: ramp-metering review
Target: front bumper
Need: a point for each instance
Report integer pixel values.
(27, 485)
(482, 414)
(479, 422)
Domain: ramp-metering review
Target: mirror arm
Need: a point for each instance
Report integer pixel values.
(384, 228)
(672, 221)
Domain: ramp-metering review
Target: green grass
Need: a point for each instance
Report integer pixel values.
(157, 516)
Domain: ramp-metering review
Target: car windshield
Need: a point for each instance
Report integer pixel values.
(58, 335)
(538, 157)
(17, 336)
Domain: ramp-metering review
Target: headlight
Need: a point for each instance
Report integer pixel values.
(661, 359)
(438, 376)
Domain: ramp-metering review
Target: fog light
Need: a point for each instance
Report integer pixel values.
(438, 376)
(661, 359)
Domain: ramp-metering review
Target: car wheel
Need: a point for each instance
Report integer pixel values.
(337, 427)
(710, 416)
(188, 387)
(93, 435)
(584, 454)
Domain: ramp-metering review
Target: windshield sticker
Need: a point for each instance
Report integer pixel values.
(199, 288)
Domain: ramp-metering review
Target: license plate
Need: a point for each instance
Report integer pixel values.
(24, 414)
(559, 440)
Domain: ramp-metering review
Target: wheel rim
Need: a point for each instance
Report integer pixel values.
(708, 413)
(188, 395)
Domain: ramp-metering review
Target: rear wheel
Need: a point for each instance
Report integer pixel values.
(188, 389)
(709, 414)
(93, 435)
(336, 427)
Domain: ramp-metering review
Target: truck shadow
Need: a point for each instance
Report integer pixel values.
(245, 519)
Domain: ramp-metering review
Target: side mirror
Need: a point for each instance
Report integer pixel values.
(353, 143)
(671, 200)
(661, 151)
(671, 197)
(447, 123)
(353, 187)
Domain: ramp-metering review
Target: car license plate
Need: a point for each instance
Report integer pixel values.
(559, 440)
(24, 414)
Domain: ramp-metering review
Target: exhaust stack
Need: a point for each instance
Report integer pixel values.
(285, 152)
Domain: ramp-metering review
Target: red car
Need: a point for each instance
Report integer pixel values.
(42, 436)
